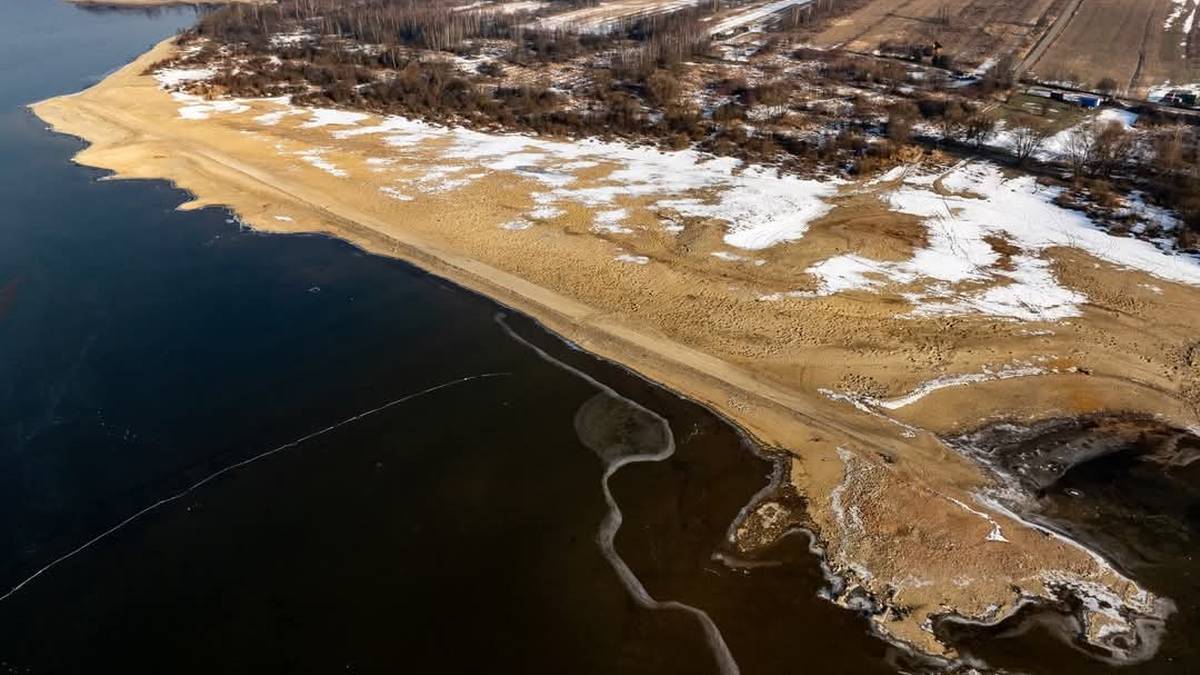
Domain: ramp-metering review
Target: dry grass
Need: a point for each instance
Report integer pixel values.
(1122, 39)
(973, 31)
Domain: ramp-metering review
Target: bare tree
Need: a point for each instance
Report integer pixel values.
(978, 128)
(901, 118)
(1098, 148)
(1079, 148)
(1167, 148)
(662, 88)
(1113, 146)
(1028, 134)
(952, 120)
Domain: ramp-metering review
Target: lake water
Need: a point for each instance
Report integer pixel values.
(431, 500)
(142, 349)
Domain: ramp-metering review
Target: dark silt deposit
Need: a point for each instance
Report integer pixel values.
(1127, 487)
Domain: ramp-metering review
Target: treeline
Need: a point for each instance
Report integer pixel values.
(650, 109)
(368, 54)
(443, 25)
(425, 24)
(1161, 160)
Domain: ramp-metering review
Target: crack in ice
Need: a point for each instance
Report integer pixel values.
(613, 518)
(245, 462)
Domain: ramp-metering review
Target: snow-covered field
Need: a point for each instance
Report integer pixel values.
(758, 207)
(609, 14)
(753, 14)
(502, 7)
(960, 272)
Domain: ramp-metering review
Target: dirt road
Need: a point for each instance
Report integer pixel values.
(1056, 29)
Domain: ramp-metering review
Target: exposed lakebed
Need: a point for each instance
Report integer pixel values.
(1128, 487)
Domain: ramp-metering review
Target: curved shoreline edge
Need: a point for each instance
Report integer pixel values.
(811, 427)
(606, 537)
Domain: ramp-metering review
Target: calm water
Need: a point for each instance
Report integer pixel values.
(142, 350)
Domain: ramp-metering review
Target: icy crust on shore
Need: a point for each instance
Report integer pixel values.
(988, 236)
(1119, 616)
(1099, 607)
(1108, 610)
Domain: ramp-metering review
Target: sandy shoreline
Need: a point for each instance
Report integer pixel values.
(889, 499)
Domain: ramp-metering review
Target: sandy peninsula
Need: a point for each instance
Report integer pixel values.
(807, 311)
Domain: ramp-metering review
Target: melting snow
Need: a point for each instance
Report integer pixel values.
(759, 207)
(1176, 12)
(395, 194)
(315, 158)
(727, 256)
(196, 108)
(173, 77)
(956, 381)
(633, 259)
(996, 534)
(753, 14)
(962, 272)
(546, 212)
(610, 221)
(322, 117)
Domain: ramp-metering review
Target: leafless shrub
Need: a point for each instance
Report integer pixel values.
(1029, 135)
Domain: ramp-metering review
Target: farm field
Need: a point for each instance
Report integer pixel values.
(750, 16)
(1141, 44)
(972, 31)
(606, 15)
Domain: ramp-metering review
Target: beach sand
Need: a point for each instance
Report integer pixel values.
(894, 505)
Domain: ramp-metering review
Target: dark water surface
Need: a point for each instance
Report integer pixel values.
(143, 350)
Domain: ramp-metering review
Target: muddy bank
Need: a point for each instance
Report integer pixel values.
(1125, 485)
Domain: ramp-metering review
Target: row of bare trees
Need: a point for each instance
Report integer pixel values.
(428, 24)
(1163, 161)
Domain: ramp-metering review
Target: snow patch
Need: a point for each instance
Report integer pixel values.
(961, 273)
(632, 259)
(323, 117)
(315, 157)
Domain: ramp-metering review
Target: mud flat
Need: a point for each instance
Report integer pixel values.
(852, 325)
(1126, 486)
